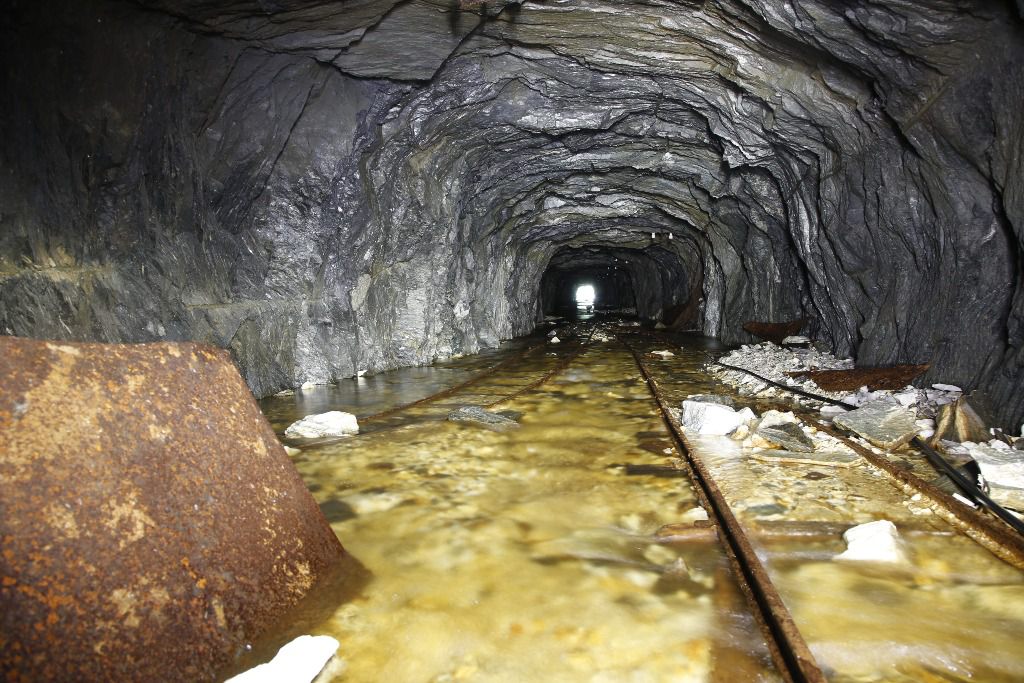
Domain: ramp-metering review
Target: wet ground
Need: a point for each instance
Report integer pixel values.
(535, 553)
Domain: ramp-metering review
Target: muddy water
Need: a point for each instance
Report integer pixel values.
(527, 555)
(953, 612)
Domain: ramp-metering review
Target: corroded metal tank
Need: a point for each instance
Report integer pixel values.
(151, 525)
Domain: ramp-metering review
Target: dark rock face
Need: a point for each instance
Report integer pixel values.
(331, 187)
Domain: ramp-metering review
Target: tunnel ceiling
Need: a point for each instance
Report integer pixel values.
(328, 187)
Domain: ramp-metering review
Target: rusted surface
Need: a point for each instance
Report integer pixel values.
(774, 332)
(892, 377)
(790, 652)
(150, 522)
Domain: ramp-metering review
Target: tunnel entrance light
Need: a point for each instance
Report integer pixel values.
(585, 295)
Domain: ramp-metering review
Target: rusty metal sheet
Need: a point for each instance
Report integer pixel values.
(889, 377)
(151, 525)
(774, 332)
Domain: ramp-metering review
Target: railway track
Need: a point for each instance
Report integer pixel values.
(460, 394)
(790, 653)
(743, 542)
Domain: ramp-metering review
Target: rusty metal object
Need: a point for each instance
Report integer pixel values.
(790, 652)
(151, 524)
(774, 332)
(891, 377)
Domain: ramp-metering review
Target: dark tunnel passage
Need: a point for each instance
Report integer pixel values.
(327, 193)
(651, 282)
(332, 250)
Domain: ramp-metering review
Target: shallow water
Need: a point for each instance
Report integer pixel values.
(528, 554)
(531, 554)
(953, 612)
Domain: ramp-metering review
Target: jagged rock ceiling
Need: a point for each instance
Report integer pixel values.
(328, 187)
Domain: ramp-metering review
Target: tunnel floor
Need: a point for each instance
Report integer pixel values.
(573, 547)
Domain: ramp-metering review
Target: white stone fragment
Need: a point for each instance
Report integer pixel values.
(712, 419)
(948, 387)
(906, 398)
(663, 353)
(297, 662)
(795, 339)
(876, 541)
(555, 340)
(333, 423)
(697, 514)
(770, 418)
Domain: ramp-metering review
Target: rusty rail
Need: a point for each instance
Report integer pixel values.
(792, 657)
(456, 387)
(559, 367)
(480, 376)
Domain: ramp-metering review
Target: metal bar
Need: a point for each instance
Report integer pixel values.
(455, 388)
(789, 650)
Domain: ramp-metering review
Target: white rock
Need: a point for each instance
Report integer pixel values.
(906, 398)
(555, 340)
(712, 419)
(873, 542)
(948, 387)
(333, 423)
(297, 662)
(773, 417)
(663, 353)
(697, 514)
(292, 451)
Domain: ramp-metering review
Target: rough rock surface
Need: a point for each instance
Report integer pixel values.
(476, 415)
(325, 190)
(787, 436)
(886, 425)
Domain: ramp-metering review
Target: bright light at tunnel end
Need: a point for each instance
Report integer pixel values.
(585, 295)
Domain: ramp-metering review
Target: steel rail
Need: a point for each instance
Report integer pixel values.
(559, 367)
(477, 378)
(790, 652)
(455, 387)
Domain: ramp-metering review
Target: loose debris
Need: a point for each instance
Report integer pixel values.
(496, 422)
(333, 423)
(884, 423)
(886, 418)
(300, 661)
(873, 542)
(712, 419)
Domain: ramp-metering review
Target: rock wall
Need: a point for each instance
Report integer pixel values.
(327, 190)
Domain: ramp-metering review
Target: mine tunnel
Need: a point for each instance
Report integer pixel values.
(518, 340)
